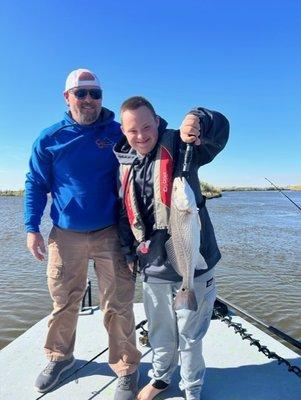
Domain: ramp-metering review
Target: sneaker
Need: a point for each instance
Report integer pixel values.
(189, 395)
(51, 373)
(127, 387)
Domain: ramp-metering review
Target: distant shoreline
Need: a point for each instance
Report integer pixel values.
(259, 189)
(207, 190)
(13, 193)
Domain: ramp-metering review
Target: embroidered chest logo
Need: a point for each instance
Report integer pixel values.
(103, 143)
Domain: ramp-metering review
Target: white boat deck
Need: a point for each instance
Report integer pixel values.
(235, 370)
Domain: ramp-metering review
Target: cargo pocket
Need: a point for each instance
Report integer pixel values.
(55, 262)
(55, 271)
(56, 286)
(55, 276)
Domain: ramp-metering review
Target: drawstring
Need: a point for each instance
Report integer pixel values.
(127, 181)
(143, 195)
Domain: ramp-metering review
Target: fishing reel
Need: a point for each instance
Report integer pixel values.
(220, 310)
(143, 338)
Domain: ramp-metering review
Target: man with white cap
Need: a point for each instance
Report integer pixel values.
(73, 160)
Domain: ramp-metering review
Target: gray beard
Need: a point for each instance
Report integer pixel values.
(84, 119)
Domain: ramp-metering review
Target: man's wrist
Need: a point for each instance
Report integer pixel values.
(30, 230)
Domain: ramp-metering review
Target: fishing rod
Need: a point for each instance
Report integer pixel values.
(279, 190)
(296, 343)
(187, 158)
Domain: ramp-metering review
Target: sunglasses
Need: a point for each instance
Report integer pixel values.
(81, 94)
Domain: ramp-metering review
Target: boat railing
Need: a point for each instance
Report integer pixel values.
(284, 336)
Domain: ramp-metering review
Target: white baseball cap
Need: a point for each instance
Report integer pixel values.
(81, 77)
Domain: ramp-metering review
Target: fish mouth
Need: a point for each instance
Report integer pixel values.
(185, 300)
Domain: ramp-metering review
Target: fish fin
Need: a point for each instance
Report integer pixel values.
(185, 300)
(172, 256)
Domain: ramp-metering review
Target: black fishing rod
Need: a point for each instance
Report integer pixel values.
(279, 190)
(296, 343)
(187, 158)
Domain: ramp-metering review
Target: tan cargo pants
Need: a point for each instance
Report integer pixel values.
(68, 257)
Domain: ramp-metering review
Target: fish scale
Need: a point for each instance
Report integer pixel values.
(183, 245)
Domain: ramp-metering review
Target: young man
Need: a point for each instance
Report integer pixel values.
(151, 156)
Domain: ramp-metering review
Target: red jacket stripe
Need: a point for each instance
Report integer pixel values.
(166, 170)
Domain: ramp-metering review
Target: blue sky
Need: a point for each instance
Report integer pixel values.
(239, 57)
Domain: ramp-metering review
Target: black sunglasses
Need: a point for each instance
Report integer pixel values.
(81, 94)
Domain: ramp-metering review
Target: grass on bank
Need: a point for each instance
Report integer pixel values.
(210, 191)
(12, 192)
(295, 187)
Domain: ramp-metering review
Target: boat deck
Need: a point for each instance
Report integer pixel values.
(235, 370)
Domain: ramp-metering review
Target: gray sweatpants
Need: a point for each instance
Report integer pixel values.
(179, 334)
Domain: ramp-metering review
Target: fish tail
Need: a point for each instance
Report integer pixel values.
(185, 300)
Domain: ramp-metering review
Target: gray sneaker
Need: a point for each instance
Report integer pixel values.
(192, 395)
(127, 387)
(50, 375)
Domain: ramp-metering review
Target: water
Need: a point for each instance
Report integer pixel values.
(259, 234)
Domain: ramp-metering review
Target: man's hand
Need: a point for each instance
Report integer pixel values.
(190, 129)
(36, 246)
(131, 266)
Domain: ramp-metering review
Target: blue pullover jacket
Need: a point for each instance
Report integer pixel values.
(76, 164)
